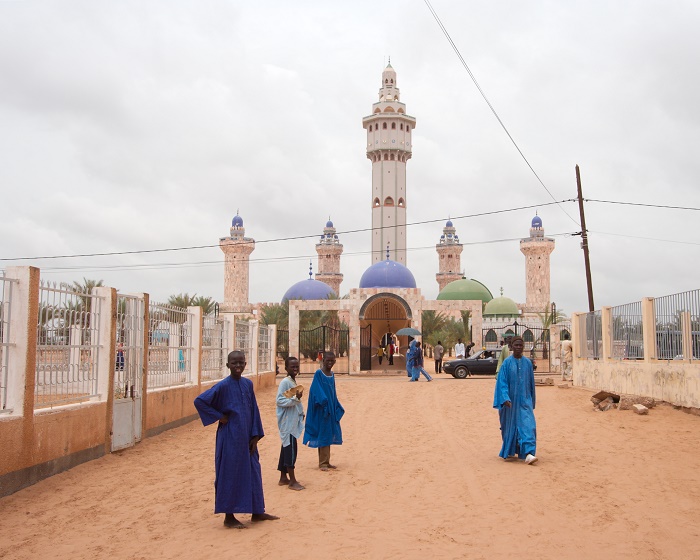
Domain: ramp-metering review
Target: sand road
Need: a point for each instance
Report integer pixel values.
(418, 477)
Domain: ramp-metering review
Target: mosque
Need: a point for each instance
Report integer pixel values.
(387, 298)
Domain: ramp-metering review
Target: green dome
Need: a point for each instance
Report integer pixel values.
(466, 290)
(501, 306)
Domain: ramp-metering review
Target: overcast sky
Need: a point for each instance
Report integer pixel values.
(140, 125)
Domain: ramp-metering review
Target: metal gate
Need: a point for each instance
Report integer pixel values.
(536, 338)
(128, 372)
(366, 348)
(325, 339)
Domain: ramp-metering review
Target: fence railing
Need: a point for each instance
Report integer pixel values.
(670, 312)
(265, 360)
(627, 332)
(244, 341)
(591, 335)
(67, 345)
(5, 316)
(170, 346)
(214, 347)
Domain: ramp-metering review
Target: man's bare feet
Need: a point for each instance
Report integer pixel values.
(332, 466)
(232, 523)
(284, 481)
(263, 517)
(323, 468)
(295, 486)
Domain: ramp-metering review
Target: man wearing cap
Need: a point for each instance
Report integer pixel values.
(514, 398)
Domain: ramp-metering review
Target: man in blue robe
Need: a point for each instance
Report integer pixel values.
(323, 413)
(514, 398)
(411, 354)
(238, 482)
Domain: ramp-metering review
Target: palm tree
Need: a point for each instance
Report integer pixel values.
(184, 300)
(548, 319)
(275, 314)
(206, 303)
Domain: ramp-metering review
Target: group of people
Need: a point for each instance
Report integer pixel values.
(231, 403)
(390, 350)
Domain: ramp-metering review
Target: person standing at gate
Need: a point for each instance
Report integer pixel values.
(438, 352)
(238, 483)
(505, 352)
(380, 354)
(290, 421)
(459, 349)
(391, 352)
(324, 413)
(514, 397)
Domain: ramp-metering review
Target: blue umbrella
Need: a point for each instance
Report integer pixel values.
(408, 331)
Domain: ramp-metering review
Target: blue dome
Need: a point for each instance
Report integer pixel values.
(449, 223)
(237, 221)
(537, 222)
(387, 274)
(309, 289)
(329, 224)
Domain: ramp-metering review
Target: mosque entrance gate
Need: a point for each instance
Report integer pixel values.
(366, 348)
(323, 338)
(536, 339)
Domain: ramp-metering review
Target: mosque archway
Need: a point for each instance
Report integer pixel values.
(384, 314)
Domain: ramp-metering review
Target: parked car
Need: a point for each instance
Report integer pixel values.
(483, 363)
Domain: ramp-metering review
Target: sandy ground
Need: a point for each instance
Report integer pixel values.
(418, 477)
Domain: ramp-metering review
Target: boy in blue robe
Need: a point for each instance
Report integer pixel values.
(323, 413)
(238, 482)
(514, 398)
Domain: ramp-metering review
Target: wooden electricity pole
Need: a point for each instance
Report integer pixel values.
(584, 242)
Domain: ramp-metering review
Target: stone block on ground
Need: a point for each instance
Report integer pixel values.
(640, 409)
(606, 404)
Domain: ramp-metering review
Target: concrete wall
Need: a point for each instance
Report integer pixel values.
(673, 381)
(39, 442)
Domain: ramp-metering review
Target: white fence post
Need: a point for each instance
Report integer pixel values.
(253, 333)
(21, 377)
(107, 333)
(196, 358)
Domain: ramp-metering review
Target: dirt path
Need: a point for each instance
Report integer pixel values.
(418, 477)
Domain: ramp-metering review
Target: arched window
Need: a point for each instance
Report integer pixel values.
(509, 333)
(376, 202)
(389, 110)
(393, 157)
(408, 128)
(388, 201)
(384, 126)
(491, 336)
(392, 80)
(377, 110)
(393, 126)
(399, 110)
(401, 202)
(564, 334)
(386, 157)
(401, 126)
(527, 336)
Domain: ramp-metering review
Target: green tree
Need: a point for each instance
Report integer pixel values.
(184, 300)
(275, 314)
(206, 303)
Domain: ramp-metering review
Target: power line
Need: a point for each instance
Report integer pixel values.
(645, 238)
(495, 114)
(641, 204)
(157, 266)
(279, 239)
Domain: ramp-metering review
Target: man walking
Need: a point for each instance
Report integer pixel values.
(238, 482)
(514, 398)
(438, 352)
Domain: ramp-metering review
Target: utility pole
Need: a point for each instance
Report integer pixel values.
(584, 242)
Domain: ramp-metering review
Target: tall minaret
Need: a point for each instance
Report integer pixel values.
(389, 148)
(537, 249)
(329, 250)
(237, 249)
(449, 250)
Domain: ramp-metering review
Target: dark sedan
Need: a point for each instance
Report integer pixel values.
(482, 363)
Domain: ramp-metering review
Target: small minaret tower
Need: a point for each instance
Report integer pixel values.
(449, 250)
(537, 249)
(329, 250)
(237, 249)
(389, 138)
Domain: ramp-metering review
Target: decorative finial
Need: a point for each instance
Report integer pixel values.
(387, 251)
(389, 60)
(535, 212)
(501, 291)
(237, 209)
(311, 269)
